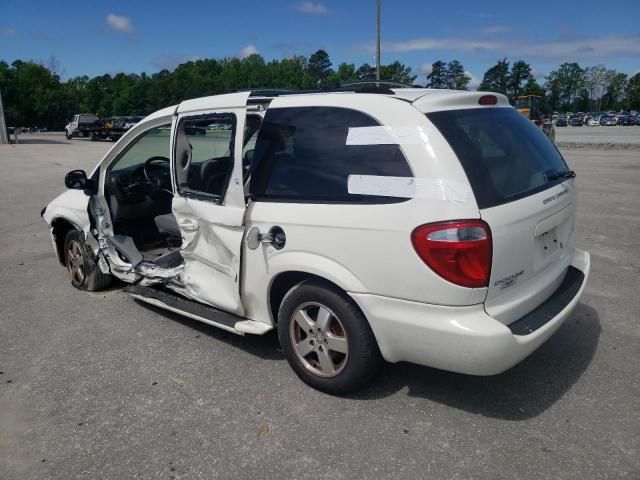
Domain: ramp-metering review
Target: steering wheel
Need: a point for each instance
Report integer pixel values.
(157, 172)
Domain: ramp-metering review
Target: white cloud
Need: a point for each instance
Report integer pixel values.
(426, 68)
(496, 29)
(119, 23)
(7, 32)
(311, 8)
(565, 50)
(474, 83)
(248, 50)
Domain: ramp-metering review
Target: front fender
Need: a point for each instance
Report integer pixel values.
(72, 206)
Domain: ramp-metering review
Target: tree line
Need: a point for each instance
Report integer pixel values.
(35, 95)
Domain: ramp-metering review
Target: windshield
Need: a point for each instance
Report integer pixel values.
(504, 155)
(522, 103)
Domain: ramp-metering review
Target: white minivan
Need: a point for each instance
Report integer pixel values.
(428, 226)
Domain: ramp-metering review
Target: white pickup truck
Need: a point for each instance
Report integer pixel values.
(82, 125)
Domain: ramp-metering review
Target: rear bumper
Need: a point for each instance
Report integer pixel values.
(467, 339)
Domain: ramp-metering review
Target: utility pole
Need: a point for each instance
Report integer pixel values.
(378, 40)
(4, 132)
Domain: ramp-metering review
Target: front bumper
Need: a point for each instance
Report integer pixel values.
(460, 339)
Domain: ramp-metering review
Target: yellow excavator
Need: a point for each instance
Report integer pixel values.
(529, 106)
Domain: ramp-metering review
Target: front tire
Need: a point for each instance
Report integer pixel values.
(82, 266)
(326, 338)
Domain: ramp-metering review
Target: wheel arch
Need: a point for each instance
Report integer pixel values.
(291, 268)
(283, 282)
(60, 226)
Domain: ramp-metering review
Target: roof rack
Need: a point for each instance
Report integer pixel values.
(360, 86)
(387, 83)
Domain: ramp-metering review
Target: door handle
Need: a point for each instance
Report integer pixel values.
(189, 226)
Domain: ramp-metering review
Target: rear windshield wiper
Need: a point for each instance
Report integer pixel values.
(557, 175)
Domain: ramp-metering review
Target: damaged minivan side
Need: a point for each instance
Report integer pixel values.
(356, 224)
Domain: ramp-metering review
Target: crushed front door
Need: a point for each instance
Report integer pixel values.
(209, 201)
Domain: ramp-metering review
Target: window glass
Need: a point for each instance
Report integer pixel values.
(504, 155)
(88, 118)
(204, 154)
(152, 143)
(301, 154)
(251, 129)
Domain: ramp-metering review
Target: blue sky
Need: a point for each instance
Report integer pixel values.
(91, 37)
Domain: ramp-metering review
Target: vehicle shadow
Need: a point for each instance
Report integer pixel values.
(523, 392)
(36, 140)
(264, 346)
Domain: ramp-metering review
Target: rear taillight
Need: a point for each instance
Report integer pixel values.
(488, 100)
(458, 251)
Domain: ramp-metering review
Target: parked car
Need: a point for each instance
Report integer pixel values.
(608, 120)
(427, 226)
(561, 121)
(81, 125)
(626, 120)
(592, 121)
(576, 121)
(131, 121)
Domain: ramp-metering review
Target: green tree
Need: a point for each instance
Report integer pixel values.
(519, 75)
(565, 85)
(457, 78)
(533, 88)
(448, 75)
(437, 77)
(34, 94)
(345, 73)
(632, 93)
(319, 68)
(614, 97)
(496, 79)
(397, 72)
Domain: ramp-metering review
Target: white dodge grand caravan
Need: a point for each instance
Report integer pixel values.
(428, 226)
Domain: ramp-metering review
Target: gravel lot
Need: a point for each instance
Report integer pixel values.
(99, 386)
(611, 137)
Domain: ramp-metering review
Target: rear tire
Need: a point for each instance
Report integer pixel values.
(82, 266)
(326, 338)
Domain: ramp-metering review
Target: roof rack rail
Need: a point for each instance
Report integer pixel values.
(360, 86)
(386, 83)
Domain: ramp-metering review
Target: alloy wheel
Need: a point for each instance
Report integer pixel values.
(319, 339)
(75, 262)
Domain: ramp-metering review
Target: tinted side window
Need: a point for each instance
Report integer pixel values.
(301, 154)
(504, 155)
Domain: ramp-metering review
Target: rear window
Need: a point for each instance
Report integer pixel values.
(505, 156)
(301, 154)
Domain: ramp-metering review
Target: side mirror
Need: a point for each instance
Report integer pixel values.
(77, 180)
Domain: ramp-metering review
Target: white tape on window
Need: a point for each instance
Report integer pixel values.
(408, 187)
(386, 136)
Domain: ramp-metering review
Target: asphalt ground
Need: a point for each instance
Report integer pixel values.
(610, 136)
(98, 386)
